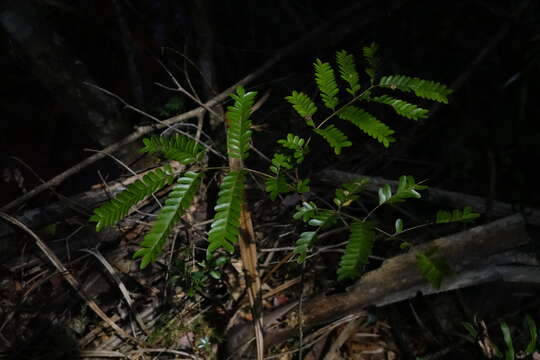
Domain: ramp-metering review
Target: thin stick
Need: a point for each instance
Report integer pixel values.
(75, 284)
(143, 130)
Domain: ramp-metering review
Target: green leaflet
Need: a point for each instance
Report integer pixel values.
(370, 56)
(422, 88)
(403, 108)
(326, 81)
(335, 138)
(348, 192)
(297, 145)
(177, 147)
(239, 133)
(433, 269)
(224, 229)
(303, 244)
(456, 215)
(117, 208)
(176, 205)
(304, 106)
(277, 185)
(347, 71)
(368, 124)
(359, 248)
(407, 188)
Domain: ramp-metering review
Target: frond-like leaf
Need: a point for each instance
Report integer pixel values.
(224, 230)
(297, 145)
(113, 211)
(326, 81)
(239, 133)
(407, 188)
(403, 108)
(456, 215)
(359, 248)
(304, 106)
(348, 192)
(368, 124)
(305, 212)
(347, 71)
(175, 206)
(177, 147)
(323, 218)
(372, 60)
(425, 89)
(335, 138)
(433, 269)
(277, 185)
(303, 244)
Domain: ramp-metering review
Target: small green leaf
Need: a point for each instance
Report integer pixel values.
(432, 269)
(510, 353)
(303, 244)
(398, 226)
(385, 193)
(531, 326)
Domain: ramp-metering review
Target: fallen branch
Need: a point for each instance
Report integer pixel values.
(468, 253)
(143, 130)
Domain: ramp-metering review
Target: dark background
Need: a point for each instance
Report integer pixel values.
(484, 142)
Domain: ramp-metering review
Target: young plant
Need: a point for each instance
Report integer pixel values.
(345, 99)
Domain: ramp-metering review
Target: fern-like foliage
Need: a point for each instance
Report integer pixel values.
(347, 71)
(456, 215)
(432, 268)
(297, 145)
(407, 188)
(359, 248)
(176, 205)
(239, 133)
(309, 213)
(335, 138)
(348, 192)
(224, 229)
(277, 185)
(425, 89)
(403, 108)
(177, 147)
(117, 208)
(302, 245)
(304, 106)
(368, 124)
(326, 81)
(372, 60)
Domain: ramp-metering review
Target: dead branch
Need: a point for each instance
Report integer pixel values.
(298, 45)
(469, 254)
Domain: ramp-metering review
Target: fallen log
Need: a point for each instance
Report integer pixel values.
(471, 254)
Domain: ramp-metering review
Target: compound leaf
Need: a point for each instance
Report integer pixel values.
(304, 106)
(326, 81)
(118, 207)
(224, 229)
(347, 71)
(403, 108)
(335, 138)
(368, 124)
(177, 147)
(239, 133)
(176, 205)
(425, 89)
(359, 248)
